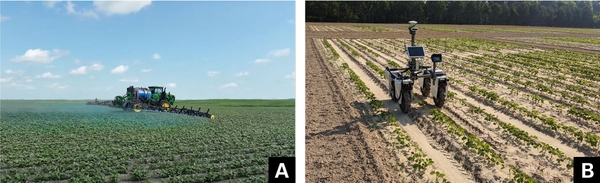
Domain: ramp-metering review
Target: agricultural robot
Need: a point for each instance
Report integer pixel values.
(430, 80)
(153, 98)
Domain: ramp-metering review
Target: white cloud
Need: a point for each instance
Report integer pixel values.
(172, 85)
(40, 56)
(29, 87)
(280, 53)
(83, 13)
(261, 60)
(19, 72)
(291, 76)
(51, 3)
(119, 69)
(156, 56)
(213, 73)
(129, 80)
(4, 18)
(146, 70)
(48, 75)
(96, 67)
(229, 85)
(57, 86)
(120, 7)
(79, 71)
(6, 80)
(242, 74)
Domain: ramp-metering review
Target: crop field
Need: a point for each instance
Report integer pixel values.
(68, 141)
(517, 110)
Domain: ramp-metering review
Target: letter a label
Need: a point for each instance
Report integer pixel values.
(282, 171)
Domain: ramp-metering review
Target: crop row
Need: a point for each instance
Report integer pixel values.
(482, 148)
(571, 95)
(381, 48)
(576, 39)
(551, 64)
(336, 55)
(468, 44)
(528, 79)
(583, 113)
(550, 122)
(518, 133)
(354, 52)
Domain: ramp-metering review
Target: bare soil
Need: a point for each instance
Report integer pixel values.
(339, 146)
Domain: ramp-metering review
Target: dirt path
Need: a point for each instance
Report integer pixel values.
(339, 147)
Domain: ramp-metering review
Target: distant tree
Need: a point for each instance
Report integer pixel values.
(585, 13)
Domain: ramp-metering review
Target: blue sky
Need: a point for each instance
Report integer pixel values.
(198, 50)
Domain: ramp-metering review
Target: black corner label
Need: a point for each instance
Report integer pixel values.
(586, 169)
(282, 169)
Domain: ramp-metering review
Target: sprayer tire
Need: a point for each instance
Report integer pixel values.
(406, 100)
(393, 92)
(426, 89)
(441, 95)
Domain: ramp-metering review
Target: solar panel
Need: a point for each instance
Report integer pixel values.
(415, 51)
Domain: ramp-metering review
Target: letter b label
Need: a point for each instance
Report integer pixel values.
(585, 169)
(282, 169)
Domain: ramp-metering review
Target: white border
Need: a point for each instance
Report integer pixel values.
(300, 91)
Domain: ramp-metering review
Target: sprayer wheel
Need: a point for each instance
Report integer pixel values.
(137, 107)
(166, 105)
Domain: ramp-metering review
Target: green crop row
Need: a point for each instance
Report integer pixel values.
(576, 39)
(372, 28)
(381, 48)
(584, 114)
(521, 177)
(524, 136)
(471, 141)
(468, 44)
(354, 52)
(365, 48)
(419, 159)
(588, 137)
(393, 64)
(328, 45)
(376, 69)
(554, 83)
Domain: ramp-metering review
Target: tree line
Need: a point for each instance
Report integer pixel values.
(583, 14)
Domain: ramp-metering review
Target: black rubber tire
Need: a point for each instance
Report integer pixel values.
(406, 100)
(441, 95)
(393, 92)
(426, 89)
